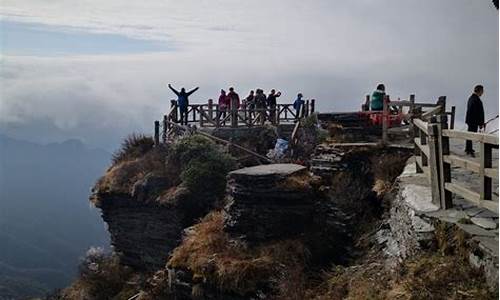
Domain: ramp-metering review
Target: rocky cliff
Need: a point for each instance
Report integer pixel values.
(263, 232)
(147, 199)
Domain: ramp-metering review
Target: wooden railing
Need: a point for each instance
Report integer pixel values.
(210, 115)
(433, 157)
(415, 110)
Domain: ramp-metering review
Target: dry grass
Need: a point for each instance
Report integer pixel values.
(133, 146)
(212, 256)
(121, 177)
(428, 276)
(101, 278)
(298, 182)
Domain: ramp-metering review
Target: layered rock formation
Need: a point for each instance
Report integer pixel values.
(142, 234)
(269, 201)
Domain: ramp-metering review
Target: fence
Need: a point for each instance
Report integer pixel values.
(415, 110)
(211, 115)
(433, 158)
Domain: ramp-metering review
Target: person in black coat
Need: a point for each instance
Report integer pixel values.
(474, 118)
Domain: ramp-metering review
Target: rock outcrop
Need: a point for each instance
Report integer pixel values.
(269, 201)
(142, 234)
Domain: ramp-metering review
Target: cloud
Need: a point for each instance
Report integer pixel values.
(334, 51)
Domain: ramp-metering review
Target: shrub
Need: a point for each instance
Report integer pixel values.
(134, 146)
(202, 164)
(208, 174)
(190, 147)
(101, 274)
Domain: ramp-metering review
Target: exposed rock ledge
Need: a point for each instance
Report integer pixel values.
(269, 201)
(414, 223)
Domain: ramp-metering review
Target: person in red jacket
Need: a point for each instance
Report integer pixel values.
(223, 105)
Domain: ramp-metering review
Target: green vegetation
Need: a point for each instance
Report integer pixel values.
(202, 164)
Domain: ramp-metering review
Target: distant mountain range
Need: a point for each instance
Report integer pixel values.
(46, 222)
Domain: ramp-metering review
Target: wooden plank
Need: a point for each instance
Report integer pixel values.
(452, 118)
(400, 103)
(490, 205)
(425, 104)
(434, 162)
(491, 172)
(473, 136)
(444, 168)
(426, 115)
(464, 192)
(420, 124)
(423, 148)
(458, 161)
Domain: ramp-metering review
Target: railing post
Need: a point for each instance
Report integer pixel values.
(442, 102)
(211, 109)
(485, 155)
(277, 114)
(385, 116)
(166, 128)
(157, 133)
(313, 104)
(445, 167)
(411, 111)
(417, 152)
(307, 108)
(202, 123)
(234, 114)
(173, 103)
(452, 118)
(433, 129)
(250, 118)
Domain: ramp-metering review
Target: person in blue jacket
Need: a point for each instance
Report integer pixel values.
(183, 102)
(297, 104)
(377, 101)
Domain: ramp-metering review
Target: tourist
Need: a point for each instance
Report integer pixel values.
(250, 102)
(223, 105)
(234, 99)
(297, 104)
(377, 100)
(271, 105)
(183, 102)
(474, 117)
(260, 104)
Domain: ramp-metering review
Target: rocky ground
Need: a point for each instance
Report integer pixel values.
(341, 229)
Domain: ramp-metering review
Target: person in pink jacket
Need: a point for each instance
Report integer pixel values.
(223, 104)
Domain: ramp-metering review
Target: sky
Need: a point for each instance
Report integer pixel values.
(98, 70)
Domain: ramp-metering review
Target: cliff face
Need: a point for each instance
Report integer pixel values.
(142, 234)
(148, 199)
(269, 202)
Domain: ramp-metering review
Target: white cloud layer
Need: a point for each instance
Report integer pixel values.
(334, 51)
